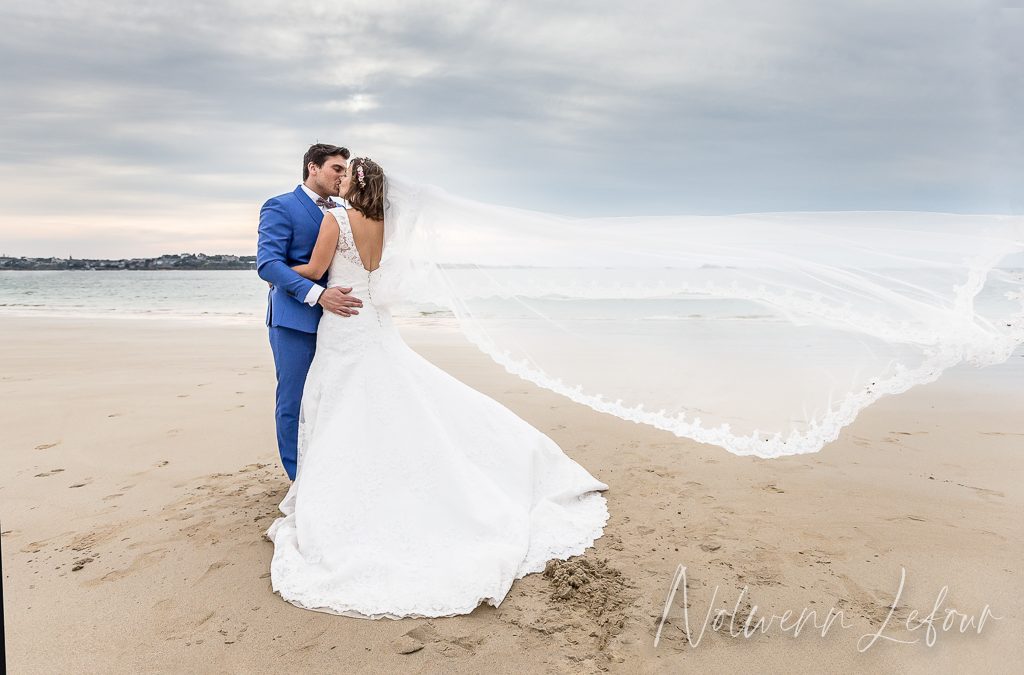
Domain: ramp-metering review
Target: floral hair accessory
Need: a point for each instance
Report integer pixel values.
(361, 175)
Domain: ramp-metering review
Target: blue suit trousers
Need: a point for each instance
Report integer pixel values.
(293, 353)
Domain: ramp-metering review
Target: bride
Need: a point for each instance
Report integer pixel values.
(765, 334)
(415, 495)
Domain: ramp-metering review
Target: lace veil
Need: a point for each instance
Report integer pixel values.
(762, 333)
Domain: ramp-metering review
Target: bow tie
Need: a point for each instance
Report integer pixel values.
(326, 203)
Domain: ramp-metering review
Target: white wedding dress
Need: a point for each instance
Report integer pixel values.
(415, 495)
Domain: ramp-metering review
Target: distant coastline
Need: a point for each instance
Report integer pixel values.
(180, 261)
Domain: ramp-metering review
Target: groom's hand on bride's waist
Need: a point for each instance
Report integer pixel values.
(337, 300)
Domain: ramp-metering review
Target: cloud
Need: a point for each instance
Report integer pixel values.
(181, 119)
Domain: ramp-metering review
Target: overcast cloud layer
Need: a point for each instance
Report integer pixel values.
(138, 128)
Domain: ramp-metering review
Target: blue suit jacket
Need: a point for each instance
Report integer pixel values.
(289, 225)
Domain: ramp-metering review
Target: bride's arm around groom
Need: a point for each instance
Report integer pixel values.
(287, 234)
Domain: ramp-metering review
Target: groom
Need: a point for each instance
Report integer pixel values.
(289, 225)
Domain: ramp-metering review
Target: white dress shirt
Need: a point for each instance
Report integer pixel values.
(314, 293)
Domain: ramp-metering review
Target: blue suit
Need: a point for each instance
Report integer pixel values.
(289, 225)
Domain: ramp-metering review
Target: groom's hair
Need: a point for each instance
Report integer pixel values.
(318, 154)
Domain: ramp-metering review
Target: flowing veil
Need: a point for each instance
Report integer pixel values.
(764, 334)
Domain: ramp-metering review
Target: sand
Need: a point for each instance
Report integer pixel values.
(141, 472)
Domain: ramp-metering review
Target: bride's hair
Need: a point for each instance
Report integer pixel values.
(366, 190)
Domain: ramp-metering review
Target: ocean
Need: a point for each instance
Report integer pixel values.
(240, 296)
(231, 296)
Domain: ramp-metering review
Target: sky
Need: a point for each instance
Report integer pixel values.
(142, 128)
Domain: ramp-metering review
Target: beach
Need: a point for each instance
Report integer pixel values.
(141, 472)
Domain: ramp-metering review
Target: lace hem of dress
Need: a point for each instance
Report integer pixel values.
(592, 517)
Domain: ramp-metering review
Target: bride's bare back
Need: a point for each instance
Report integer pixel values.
(368, 236)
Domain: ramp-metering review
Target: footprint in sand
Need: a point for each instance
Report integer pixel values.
(983, 491)
(771, 487)
(80, 563)
(918, 519)
(760, 577)
(406, 645)
(51, 472)
(416, 639)
(86, 541)
(236, 637)
(141, 561)
(459, 646)
(214, 567)
(47, 446)
(35, 546)
(114, 415)
(183, 395)
(164, 604)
